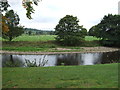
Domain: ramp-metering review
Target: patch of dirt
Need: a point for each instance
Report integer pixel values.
(100, 49)
(63, 49)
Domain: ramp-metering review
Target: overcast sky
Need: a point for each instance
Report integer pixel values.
(49, 12)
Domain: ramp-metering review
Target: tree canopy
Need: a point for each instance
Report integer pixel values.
(4, 25)
(69, 32)
(3, 7)
(27, 4)
(13, 25)
(108, 29)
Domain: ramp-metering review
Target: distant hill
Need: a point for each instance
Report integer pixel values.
(31, 31)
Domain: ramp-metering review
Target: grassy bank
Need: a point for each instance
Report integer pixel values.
(95, 76)
(44, 43)
(48, 46)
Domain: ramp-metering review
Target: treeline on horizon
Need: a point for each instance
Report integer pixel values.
(32, 31)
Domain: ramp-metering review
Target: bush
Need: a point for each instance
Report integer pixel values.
(42, 62)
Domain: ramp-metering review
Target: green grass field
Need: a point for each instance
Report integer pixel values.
(91, 38)
(44, 38)
(44, 43)
(34, 38)
(48, 46)
(91, 76)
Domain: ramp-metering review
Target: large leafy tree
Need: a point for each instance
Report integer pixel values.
(4, 4)
(92, 31)
(95, 31)
(108, 29)
(69, 32)
(13, 25)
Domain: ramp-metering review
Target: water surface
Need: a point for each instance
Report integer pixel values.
(63, 59)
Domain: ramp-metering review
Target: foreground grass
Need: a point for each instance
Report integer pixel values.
(95, 76)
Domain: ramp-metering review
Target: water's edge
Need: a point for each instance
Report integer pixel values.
(44, 53)
(64, 58)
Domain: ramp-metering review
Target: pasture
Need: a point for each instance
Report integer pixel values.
(44, 38)
(33, 38)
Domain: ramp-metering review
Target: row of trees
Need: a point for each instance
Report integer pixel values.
(71, 30)
(70, 33)
(108, 30)
(32, 31)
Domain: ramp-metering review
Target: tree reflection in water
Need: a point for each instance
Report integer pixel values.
(62, 59)
(11, 61)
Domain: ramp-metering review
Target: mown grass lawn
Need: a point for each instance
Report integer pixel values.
(94, 76)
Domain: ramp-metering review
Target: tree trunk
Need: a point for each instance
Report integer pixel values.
(11, 58)
(10, 38)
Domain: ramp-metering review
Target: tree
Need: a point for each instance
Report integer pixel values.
(29, 32)
(14, 29)
(3, 7)
(4, 25)
(69, 32)
(94, 31)
(27, 4)
(109, 30)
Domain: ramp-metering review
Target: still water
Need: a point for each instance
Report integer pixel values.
(64, 59)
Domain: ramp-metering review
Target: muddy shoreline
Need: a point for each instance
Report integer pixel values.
(84, 50)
